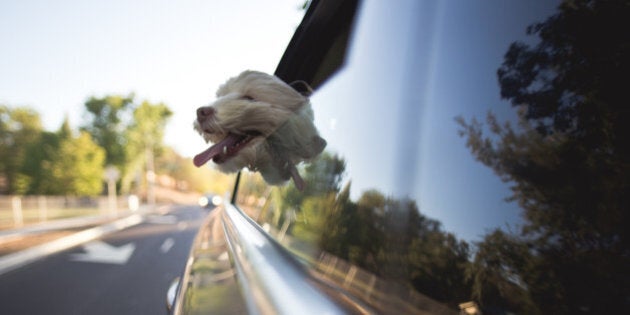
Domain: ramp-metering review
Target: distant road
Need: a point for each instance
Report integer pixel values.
(126, 272)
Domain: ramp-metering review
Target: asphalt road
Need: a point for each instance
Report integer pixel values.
(126, 272)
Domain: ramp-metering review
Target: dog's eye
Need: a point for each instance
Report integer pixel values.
(247, 97)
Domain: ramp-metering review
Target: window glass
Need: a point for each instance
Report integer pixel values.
(432, 178)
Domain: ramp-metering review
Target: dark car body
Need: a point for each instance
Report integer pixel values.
(402, 213)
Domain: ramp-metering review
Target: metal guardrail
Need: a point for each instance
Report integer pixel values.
(271, 280)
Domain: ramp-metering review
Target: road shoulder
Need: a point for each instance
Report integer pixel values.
(21, 258)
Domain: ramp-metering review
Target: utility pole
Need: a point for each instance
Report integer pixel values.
(150, 175)
(111, 176)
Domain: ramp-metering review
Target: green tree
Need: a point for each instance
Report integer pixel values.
(417, 252)
(350, 230)
(75, 167)
(107, 120)
(499, 272)
(310, 223)
(568, 161)
(438, 264)
(322, 176)
(144, 138)
(148, 126)
(19, 128)
(390, 238)
(364, 221)
(40, 152)
(191, 178)
(386, 236)
(36, 153)
(130, 134)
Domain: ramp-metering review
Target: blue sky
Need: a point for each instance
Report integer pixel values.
(415, 67)
(56, 54)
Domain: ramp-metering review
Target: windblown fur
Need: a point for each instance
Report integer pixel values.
(261, 123)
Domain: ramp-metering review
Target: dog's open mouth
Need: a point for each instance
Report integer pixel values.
(224, 149)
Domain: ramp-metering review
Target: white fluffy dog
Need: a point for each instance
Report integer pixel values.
(261, 123)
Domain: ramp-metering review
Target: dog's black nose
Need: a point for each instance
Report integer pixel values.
(204, 113)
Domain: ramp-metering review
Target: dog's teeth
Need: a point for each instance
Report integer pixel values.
(225, 150)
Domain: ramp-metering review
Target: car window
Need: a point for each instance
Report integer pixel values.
(440, 182)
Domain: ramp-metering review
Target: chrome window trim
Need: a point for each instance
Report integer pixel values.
(272, 281)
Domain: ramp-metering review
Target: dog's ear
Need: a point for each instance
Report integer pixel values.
(302, 87)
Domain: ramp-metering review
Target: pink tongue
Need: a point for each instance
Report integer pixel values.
(297, 179)
(205, 156)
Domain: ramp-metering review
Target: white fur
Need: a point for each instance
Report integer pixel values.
(282, 117)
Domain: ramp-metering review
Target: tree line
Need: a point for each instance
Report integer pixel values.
(34, 161)
(567, 162)
(117, 131)
(389, 237)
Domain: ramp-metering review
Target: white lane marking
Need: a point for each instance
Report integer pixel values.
(164, 209)
(101, 252)
(182, 226)
(166, 219)
(167, 245)
(22, 258)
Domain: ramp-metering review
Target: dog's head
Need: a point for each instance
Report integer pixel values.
(262, 123)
